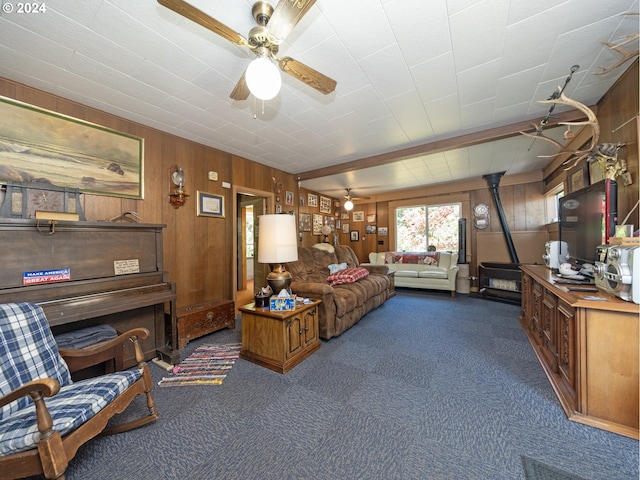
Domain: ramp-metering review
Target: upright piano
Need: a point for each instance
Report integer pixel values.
(88, 273)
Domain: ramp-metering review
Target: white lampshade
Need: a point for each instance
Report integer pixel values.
(277, 239)
(348, 205)
(263, 78)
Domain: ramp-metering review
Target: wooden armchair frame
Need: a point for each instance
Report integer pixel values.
(54, 452)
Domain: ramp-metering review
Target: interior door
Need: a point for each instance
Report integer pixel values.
(259, 270)
(249, 208)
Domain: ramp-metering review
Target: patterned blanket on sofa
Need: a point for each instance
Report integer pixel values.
(427, 258)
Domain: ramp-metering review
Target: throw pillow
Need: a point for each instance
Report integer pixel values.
(349, 275)
(432, 258)
(336, 267)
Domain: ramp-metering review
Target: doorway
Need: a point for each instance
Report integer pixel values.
(250, 275)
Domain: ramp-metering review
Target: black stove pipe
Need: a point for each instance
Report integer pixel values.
(493, 180)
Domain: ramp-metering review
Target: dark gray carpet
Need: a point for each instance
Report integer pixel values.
(424, 387)
(535, 470)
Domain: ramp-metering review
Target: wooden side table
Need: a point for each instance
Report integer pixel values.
(279, 340)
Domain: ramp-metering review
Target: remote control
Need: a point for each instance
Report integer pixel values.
(583, 289)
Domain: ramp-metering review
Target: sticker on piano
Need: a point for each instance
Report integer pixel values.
(122, 267)
(46, 276)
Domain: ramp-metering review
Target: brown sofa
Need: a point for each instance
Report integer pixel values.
(342, 305)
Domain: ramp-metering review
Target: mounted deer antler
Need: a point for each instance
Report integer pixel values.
(626, 54)
(592, 121)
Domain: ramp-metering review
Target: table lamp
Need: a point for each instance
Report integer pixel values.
(277, 244)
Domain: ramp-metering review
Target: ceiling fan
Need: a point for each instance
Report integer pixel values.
(264, 41)
(348, 204)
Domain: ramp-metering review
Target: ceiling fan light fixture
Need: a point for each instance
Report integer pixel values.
(348, 205)
(263, 78)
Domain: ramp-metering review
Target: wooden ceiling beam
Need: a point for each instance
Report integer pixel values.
(438, 146)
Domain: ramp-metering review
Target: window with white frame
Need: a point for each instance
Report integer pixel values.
(419, 227)
(552, 202)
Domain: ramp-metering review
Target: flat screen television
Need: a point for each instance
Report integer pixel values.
(588, 218)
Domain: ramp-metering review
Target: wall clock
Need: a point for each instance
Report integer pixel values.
(481, 216)
(50, 201)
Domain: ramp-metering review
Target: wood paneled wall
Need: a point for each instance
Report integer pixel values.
(616, 108)
(199, 251)
(617, 114)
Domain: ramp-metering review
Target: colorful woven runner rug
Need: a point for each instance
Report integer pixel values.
(207, 365)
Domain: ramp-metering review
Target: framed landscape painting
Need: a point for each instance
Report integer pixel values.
(38, 144)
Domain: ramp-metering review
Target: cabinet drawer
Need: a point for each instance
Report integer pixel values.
(200, 319)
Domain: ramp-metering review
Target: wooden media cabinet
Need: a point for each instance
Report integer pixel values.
(588, 349)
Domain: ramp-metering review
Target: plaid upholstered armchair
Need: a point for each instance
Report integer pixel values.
(44, 415)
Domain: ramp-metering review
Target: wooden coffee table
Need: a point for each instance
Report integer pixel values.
(279, 340)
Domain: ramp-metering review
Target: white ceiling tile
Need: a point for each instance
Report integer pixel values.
(432, 87)
(408, 110)
(387, 66)
(444, 115)
(351, 19)
(529, 42)
(478, 83)
(477, 33)
(516, 89)
(416, 22)
(408, 72)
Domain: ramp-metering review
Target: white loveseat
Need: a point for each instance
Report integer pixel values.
(429, 270)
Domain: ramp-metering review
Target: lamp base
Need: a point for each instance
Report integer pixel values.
(278, 279)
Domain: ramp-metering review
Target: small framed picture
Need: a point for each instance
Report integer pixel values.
(358, 216)
(288, 198)
(330, 221)
(578, 177)
(383, 231)
(312, 200)
(345, 228)
(302, 200)
(325, 205)
(317, 224)
(596, 172)
(305, 222)
(370, 229)
(355, 235)
(278, 208)
(210, 205)
(371, 218)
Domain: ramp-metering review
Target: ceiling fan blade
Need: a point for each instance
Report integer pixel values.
(286, 15)
(308, 75)
(192, 13)
(241, 90)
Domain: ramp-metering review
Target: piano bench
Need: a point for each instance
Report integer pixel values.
(194, 321)
(102, 363)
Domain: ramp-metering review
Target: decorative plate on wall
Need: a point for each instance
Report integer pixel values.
(481, 216)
